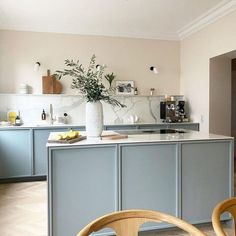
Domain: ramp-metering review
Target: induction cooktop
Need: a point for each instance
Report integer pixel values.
(151, 131)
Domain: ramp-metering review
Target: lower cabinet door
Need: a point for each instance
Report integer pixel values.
(206, 179)
(40, 150)
(149, 177)
(84, 187)
(15, 153)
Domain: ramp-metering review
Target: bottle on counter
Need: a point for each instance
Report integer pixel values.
(18, 119)
(136, 91)
(43, 116)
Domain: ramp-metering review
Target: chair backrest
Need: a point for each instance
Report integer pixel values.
(228, 205)
(127, 223)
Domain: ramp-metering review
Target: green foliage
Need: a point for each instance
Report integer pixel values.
(110, 78)
(88, 82)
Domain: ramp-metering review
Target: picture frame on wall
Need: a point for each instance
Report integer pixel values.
(124, 87)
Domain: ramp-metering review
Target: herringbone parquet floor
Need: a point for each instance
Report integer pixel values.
(23, 211)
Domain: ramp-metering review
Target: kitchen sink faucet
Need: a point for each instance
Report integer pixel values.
(51, 114)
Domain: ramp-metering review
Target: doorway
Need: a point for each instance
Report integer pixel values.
(233, 104)
(222, 98)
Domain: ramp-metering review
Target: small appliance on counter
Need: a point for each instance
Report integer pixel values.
(172, 111)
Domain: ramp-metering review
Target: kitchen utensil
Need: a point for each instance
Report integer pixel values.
(47, 83)
(57, 87)
(113, 136)
(68, 141)
(51, 85)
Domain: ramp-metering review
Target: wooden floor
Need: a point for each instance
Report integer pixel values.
(23, 211)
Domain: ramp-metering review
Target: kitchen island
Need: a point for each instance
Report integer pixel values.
(182, 174)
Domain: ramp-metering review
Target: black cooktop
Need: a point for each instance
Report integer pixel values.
(152, 131)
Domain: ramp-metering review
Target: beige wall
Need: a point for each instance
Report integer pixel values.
(129, 59)
(220, 95)
(196, 51)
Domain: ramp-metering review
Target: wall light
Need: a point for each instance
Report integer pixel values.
(98, 67)
(37, 65)
(154, 69)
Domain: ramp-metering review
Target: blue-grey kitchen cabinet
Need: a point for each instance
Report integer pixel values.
(40, 137)
(89, 179)
(15, 153)
(207, 174)
(149, 173)
(32, 143)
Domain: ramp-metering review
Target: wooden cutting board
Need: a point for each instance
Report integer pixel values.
(50, 84)
(57, 87)
(113, 136)
(68, 141)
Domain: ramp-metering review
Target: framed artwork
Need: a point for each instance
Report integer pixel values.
(124, 87)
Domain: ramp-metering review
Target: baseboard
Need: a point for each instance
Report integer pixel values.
(24, 179)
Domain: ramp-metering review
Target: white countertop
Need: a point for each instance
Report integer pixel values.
(56, 125)
(143, 138)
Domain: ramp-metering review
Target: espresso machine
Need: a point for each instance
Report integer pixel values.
(172, 111)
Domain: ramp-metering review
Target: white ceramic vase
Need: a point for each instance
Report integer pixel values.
(94, 119)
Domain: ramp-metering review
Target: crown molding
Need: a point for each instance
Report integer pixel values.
(64, 30)
(222, 9)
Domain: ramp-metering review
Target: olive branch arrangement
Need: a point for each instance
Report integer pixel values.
(89, 82)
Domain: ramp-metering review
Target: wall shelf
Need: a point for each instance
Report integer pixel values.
(77, 95)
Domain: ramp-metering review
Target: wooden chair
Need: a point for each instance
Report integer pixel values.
(228, 205)
(127, 223)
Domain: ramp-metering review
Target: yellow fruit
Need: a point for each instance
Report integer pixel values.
(73, 134)
(65, 136)
(59, 137)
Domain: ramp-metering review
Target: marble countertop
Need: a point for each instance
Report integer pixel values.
(143, 138)
(46, 125)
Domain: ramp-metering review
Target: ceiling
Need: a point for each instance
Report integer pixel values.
(155, 19)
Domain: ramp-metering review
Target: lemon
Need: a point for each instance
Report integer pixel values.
(59, 137)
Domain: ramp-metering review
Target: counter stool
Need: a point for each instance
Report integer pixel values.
(228, 205)
(127, 223)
